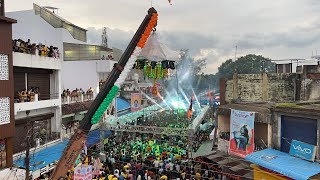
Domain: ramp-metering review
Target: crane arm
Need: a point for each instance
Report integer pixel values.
(106, 95)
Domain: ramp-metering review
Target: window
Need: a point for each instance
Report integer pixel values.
(4, 67)
(4, 110)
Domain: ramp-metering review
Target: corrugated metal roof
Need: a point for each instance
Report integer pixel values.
(284, 163)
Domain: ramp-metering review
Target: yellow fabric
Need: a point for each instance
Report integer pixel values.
(164, 177)
(110, 177)
(198, 176)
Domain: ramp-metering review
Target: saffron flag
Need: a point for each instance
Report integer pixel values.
(209, 94)
(190, 109)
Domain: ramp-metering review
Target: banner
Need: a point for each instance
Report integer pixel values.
(241, 133)
(83, 173)
(135, 102)
(303, 150)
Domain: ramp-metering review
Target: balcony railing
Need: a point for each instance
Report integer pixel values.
(78, 98)
(35, 61)
(27, 103)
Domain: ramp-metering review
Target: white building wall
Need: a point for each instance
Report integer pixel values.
(85, 74)
(33, 27)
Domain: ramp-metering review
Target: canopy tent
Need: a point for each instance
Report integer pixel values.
(155, 50)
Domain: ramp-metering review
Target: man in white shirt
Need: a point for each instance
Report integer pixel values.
(156, 163)
(171, 165)
(177, 167)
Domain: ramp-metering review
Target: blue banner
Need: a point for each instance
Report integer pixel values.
(303, 150)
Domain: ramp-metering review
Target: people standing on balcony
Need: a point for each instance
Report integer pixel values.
(33, 49)
(44, 50)
(50, 52)
(27, 47)
(56, 52)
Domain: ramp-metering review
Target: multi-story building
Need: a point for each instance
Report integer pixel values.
(37, 65)
(282, 139)
(7, 127)
(42, 52)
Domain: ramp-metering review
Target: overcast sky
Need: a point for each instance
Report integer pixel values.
(211, 29)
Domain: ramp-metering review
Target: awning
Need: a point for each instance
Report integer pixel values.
(43, 157)
(94, 137)
(284, 163)
(236, 166)
(122, 104)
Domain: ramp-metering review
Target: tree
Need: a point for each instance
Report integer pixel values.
(249, 64)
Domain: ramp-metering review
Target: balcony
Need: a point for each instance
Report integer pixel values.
(35, 61)
(25, 106)
(75, 99)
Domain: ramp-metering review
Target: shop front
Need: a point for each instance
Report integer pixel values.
(274, 164)
(259, 133)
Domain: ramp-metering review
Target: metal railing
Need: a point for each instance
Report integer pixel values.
(22, 98)
(150, 129)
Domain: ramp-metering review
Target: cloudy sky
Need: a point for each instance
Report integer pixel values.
(211, 29)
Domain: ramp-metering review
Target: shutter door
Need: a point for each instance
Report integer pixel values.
(19, 82)
(301, 129)
(42, 81)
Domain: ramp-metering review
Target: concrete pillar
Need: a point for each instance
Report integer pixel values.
(235, 86)
(68, 99)
(269, 143)
(9, 151)
(82, 98)
(276, 131)
(265, 89)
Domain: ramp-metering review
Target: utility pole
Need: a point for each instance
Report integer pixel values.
(104, 37)
(235, 58)
(27, 158)
(2, 8)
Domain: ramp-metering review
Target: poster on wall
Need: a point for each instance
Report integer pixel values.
(135, 102)
(241, 133)
(83, 173)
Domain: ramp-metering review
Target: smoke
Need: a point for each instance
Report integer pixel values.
(181, 83)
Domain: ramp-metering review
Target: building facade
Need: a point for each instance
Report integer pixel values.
(286, 108)
(7, 123)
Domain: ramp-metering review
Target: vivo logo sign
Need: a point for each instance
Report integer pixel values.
(303, 150)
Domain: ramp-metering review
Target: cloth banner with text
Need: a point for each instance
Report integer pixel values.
(83, 172)
(241, 133)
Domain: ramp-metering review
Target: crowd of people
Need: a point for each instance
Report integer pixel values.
(147, 157)
(35, 49)
(76, 93)
(167, 119)
(27, 95)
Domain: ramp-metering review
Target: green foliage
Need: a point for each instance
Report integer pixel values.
(249, 64)
(104, 105)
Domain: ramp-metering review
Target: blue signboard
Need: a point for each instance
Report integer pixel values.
(303, 150)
